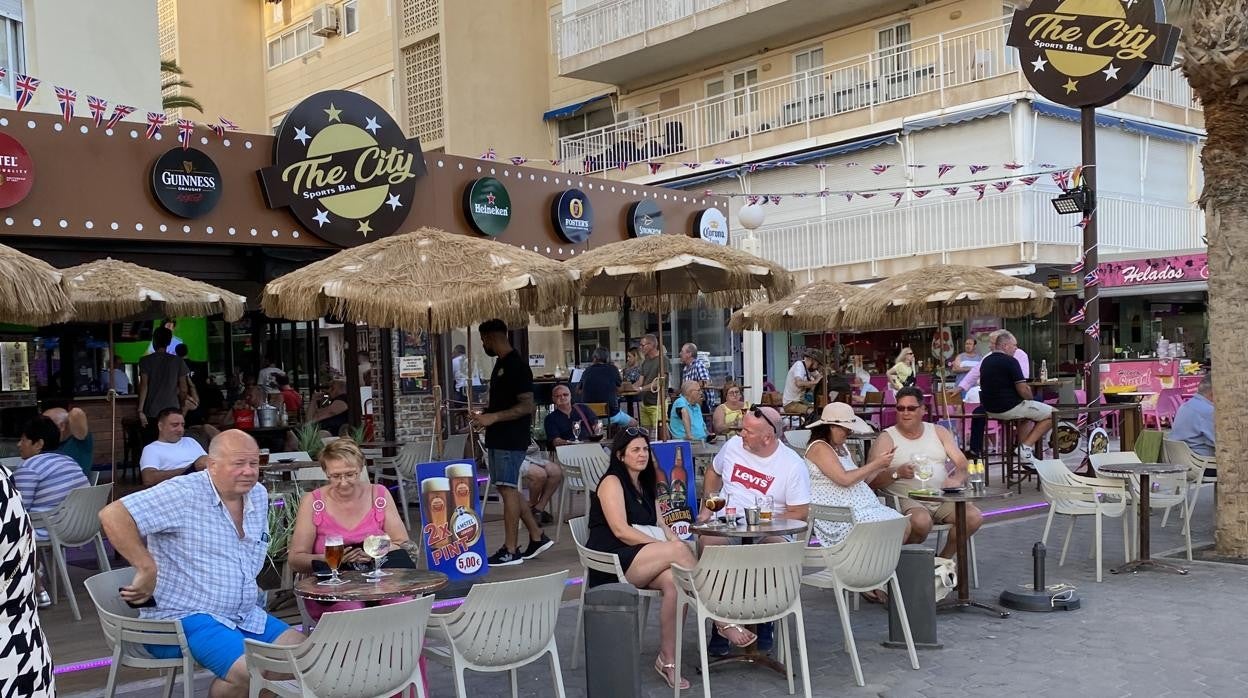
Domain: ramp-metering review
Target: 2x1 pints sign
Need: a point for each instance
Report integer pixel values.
(344, 168)
(1089, 53)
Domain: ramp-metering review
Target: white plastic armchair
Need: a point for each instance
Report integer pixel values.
(73, 523)
(126, 635)
(797, 439)
(608, 563)
(364, 653)
(745, 585)
(1075, 496)
(1179, 452)
(404, 466)
(502, 626)
(865, 560)
(583, 466)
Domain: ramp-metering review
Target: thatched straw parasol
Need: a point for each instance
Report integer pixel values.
(108, 289)
(658, 269)
(942, 293)
(32, 292)
(815, 307)
(426, 280)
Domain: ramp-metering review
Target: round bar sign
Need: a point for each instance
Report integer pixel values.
(573, 216)
(186, 183)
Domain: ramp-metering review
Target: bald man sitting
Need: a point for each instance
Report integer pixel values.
(77, 441)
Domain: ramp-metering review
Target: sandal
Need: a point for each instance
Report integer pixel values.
(667, 671)
(876, 596)
(744, 638)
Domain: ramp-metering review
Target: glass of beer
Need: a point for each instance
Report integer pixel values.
(766, 506)
(264, 457)
(461, 477)
(436, 500)
(714, 503)
(376, 547)
(333, 558)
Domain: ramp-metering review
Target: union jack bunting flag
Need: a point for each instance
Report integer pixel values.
(4, 73)
(753, 167)
(711, 192)
(154, 121)
(1091, 279)
(120, 111)
(917, 167)
(786, 163)
(1029, 180)
(952, 191)
(1077, 267)
(227, 124)
(1083, 222)
(1094, 330)
(1002, 185)
(868, 195)
(897, 197)
(623, 165)
(25, 86)
(920, 193)
(519, 160)
(186, 128)
(721, 161)
(880, 169)
(654, 167)
(943, 169)
(489, 155)
(692, 165)
(853, 164)
(67, 98)
(1047, 165)
(979, 189)
(849, 196)
(1012, 166)
(217, 129)
(1079, 316)
(1062, 179)
(976, 169)
(97, 107)
(775, 200)
(820, 166)
(556, 163)
(751, 200)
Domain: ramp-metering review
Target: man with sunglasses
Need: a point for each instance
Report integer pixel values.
(752, 465)
(912, 439)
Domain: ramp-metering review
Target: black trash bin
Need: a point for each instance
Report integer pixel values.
(612, 655)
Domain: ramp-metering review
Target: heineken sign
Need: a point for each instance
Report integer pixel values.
(1089, 53)
(344, 168)
(487, 206)
(572, 216)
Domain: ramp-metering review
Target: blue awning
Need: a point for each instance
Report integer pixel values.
(572, 109)
(957, 117)
(825, 152)
(1107, 121)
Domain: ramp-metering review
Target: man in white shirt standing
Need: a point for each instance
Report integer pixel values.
(803, 375)
(171, 454)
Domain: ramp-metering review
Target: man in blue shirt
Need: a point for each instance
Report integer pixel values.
(601, 383)
(1193, 423)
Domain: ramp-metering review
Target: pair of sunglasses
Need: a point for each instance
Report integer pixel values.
(637, 431)
(909, 408)
(758, 413)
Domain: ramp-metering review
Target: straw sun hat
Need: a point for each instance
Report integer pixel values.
(841, 415)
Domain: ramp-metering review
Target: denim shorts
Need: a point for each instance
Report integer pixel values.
(215, 646)
(505, 467)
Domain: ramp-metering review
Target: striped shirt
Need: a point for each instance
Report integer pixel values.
(202, 566)
(45, 480)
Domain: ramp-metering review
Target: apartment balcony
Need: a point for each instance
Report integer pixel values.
(1011, 228)
(929, 74)
(622, 42)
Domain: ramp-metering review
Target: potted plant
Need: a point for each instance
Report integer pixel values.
(309, 438)
(282, 510)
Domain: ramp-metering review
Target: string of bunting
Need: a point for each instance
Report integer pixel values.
(25, 87)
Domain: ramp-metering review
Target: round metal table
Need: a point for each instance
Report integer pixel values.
(963, 599)
(1144, 470)
(401, 582)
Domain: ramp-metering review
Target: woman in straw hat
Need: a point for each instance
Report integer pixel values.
(835, 480)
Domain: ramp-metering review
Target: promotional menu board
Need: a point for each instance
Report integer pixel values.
(14, 366)
(677, 500)
(450, 516)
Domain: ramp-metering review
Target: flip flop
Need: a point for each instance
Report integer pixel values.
(740, 631)
(667, 671)
(875, 596)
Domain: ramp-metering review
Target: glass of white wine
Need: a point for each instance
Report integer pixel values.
(377, 547)
(923, 470)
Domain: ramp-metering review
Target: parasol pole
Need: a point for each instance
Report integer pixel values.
(940, 356)
(437, 389)
(112, 401)
(661, 384)
(468, 387)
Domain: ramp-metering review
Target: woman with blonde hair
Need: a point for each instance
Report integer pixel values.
(903, 371)
(729, 413)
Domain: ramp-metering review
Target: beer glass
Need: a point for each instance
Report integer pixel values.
(264, 457)
(766, 505)
(435, 493)
(714, 502)
(333, 558)
(461, 476)
(376, 547)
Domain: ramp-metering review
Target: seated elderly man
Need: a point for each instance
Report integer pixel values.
(171, 454)
(1005, 394)
(196, 544)
(686, 420)
(750, 466)
(1193, 423)
(77, 442)
(910, 441)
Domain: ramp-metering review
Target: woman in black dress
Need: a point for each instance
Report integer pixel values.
(626, 496)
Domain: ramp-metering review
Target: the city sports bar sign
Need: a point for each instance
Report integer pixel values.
(1089, 53)
(344, 168)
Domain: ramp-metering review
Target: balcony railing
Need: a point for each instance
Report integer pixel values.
(610, 21)
(1016, 218)
(935, 64)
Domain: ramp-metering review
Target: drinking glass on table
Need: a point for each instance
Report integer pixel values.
(766, 507)
(377, 547)
(923, 469)
(576, 430)
(714, 503)
(333, 558)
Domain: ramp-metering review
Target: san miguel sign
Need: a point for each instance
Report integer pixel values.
(1089, 53)
(344, 168)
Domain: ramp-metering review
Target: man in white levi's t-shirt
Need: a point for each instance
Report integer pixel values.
(756, 464)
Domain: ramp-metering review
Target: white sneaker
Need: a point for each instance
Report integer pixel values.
(44, 599)
(1025, 453)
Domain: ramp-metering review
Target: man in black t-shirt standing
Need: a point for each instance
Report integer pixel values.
(1004, 393)
(507, 421)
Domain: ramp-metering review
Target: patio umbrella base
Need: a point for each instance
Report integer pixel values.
(1024, 598)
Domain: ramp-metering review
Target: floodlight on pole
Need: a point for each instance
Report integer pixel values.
(1078, 200)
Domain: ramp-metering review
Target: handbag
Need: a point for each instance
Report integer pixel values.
(655, 532)
(946, 577)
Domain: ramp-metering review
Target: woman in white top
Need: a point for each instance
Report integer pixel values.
(835, 480)
(964, 362)
(902, 370)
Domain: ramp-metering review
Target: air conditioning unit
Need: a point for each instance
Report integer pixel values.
(325, 20)
(630, 116)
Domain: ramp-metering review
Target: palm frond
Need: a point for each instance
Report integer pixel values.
(170, 66)
(181, 102)
(174, 83)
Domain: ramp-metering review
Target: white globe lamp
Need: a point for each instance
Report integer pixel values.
(751, 216)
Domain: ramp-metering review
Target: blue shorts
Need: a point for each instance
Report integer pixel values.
(505, 467)
(215, 646)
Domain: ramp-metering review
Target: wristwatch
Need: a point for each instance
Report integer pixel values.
(894, 474)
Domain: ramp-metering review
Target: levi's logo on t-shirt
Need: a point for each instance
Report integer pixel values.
(751, 479)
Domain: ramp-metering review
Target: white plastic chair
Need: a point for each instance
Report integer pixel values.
(1077, 496)
(602, 562)
(1179, 452)
(453, 447)
(502, 626)
(583, 466)
(745, 584)
(365, 653)
(126, 635)
(404, 466)
(864, 561)
(72, 524)
(798, 439)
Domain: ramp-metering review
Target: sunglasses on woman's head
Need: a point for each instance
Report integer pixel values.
(758, 413)
(637, 431)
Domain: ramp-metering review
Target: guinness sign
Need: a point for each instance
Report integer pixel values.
(186, 183)
(572, 216)
(344, 168)
(1089, 53)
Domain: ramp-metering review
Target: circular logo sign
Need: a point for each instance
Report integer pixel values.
(344, 168)
(17, 171)
(487, 206)
(711, 225)
(186, 183)
(1089, 53)
(645, 218)
(573, 216)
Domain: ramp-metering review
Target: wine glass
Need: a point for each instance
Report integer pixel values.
(333, 558)
(923, 469)
(714, 503)
(576, 430)
(376, 547)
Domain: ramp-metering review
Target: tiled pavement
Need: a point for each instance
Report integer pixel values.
(1149, 634)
